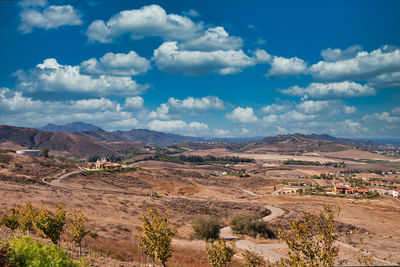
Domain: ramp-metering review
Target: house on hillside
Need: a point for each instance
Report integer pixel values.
(104, 165)
(347, 190)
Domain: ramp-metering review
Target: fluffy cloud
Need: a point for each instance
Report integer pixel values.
(344, 89)
(133, 103)
(325, 106)
(385, 80)
(281, 66)
(276, 108)
(16, 109)
(148, 21)
(160, 113)
(116, 64)
(204, 103)
(178, 126)
(362, 66)
(332, 55)
(349, 127)
(384, 116)
(242, 115)
(50, 76)
(51, 17)
(213, 39)
(170, 59)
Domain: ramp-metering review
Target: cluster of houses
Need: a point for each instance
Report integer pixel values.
(342, 187)
(103, 164)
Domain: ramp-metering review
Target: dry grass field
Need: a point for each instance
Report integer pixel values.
(114, 202)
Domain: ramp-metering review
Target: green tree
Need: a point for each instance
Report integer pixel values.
(79, 230)
(218, 253)
(25, 251)
(27, 218)
(156, 236)
(206, 227)
(10, 219)
(252, 259)
(51, 225)
(44, 153)
(311, 240)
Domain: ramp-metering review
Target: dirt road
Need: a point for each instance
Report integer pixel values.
(264, 250)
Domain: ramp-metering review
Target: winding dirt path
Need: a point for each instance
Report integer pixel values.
(262, 249)
(57, 182)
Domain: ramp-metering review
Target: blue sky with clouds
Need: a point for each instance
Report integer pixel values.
(203, 68)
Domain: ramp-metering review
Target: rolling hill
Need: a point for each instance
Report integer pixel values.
(57, 142)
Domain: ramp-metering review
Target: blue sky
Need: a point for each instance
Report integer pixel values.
(203, 68)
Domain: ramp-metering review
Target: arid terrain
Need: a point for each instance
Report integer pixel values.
(264, 184)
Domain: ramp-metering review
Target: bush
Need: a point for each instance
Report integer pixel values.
(251, 226)
(205, 227)
(24, 251)
(5, 158)
(252, 259)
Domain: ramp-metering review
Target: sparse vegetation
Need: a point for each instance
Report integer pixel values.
(219, 254)
(252, 259)
(156, 236)
(311, 240)
(251, 226)
(51, 225)
(205, 227)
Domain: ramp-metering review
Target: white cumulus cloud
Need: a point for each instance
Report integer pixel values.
(150, 20)
(178, 126)
(363, 66)
(50, 76)
(344, 89)
(281, 66)
(242, 115)
(204, 103)
(116, 64)
(51, 17)
(170, 59)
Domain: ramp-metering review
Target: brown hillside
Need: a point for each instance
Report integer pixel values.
(59, 142)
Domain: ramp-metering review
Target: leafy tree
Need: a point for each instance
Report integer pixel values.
(252, 259)
(27, 218)
(156, 236)
(218, 253)
(311, 241)
(10, 219)
(44, 153)
(206, 227)
(25, 251)
(51, 225)
(79, 230)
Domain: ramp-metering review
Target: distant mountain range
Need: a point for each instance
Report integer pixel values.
(81, 139)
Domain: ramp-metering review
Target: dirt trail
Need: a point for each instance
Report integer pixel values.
(263, 249)
(57, 182)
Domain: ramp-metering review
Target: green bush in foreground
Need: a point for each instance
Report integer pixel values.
(205, 227)
(25, 251)
(251, 226)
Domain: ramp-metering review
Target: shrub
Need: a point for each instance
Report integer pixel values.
(205, 227)
(10, 219)
(51, 225)
(252, 259)
(5, 158)
(218, 253)
(311, 240)
(25, 251)
(156, 236)
(251, 225)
